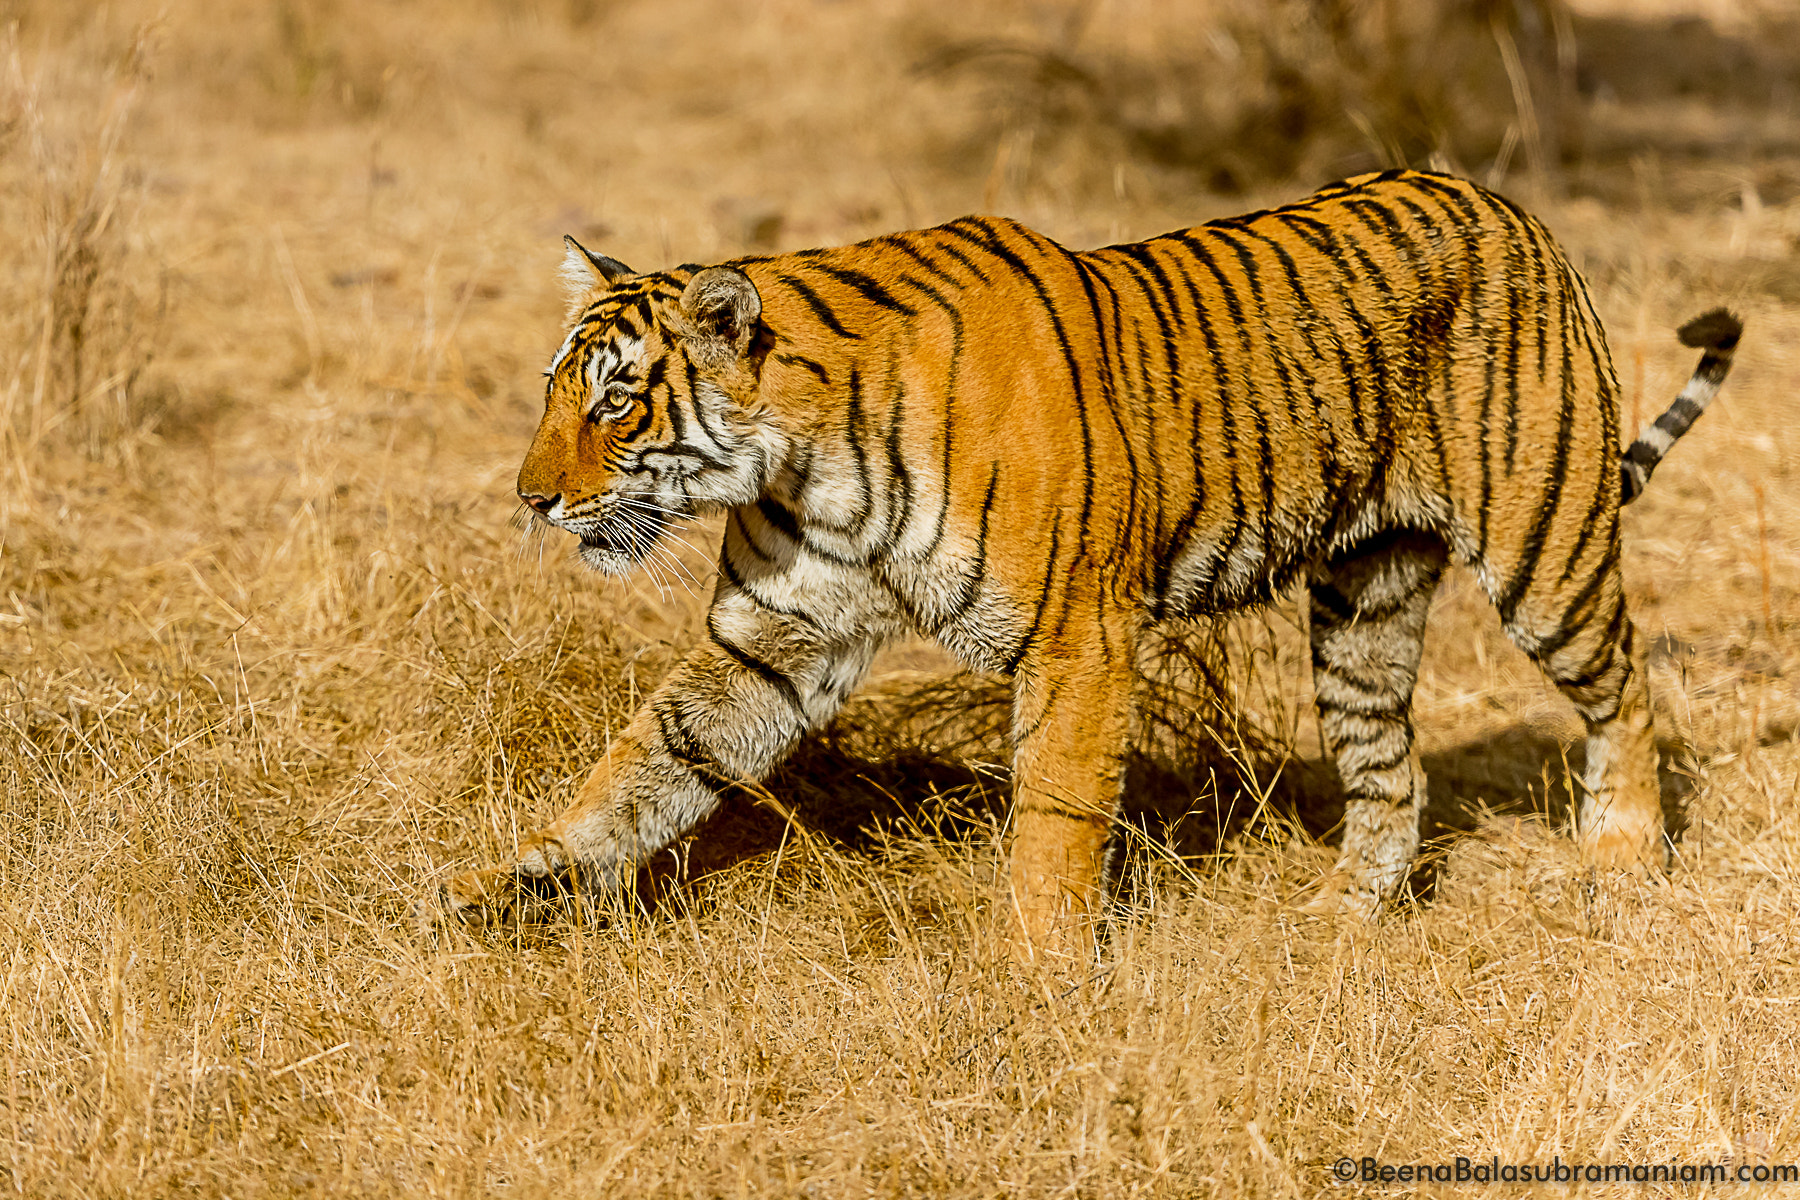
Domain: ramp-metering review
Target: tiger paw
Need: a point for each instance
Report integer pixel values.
(1066, 952)
(1636, 846)
(1340, 896)
(470, 899)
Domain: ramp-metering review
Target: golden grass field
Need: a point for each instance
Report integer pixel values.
(279, 283)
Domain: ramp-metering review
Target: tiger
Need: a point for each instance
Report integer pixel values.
(1035, 455)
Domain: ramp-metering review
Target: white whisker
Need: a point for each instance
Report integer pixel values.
(664, 592)
(650, 506)
(533, 530)
(681, 572)
(638, 502)
(670, 533)
(689, 546)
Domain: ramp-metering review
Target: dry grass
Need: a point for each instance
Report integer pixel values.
(279, 281)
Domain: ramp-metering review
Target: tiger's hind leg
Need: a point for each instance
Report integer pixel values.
(1575, 626)
(1368, 628)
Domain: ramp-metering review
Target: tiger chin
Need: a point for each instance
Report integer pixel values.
(1034, 455)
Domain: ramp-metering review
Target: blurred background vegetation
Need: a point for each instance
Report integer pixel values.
(691, 129)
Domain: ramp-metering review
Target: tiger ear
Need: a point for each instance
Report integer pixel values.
(719, 309)
(583, 270)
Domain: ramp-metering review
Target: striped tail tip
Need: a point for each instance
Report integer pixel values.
(1716, 333)
(1716, 330)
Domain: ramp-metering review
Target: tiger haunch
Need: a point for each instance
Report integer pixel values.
(1032, 455)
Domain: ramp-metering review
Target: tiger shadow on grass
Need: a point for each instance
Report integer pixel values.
(875, 775)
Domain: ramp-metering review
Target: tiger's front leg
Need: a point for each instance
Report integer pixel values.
(1073, 707)
(731, 711)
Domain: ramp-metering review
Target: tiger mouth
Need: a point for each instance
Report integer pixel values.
(615, 544)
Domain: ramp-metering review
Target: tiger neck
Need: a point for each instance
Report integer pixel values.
(824, 382)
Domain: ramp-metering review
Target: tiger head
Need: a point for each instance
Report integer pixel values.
(652, 411)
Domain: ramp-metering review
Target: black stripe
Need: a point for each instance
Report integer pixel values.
(801, 361)
(1377, 701)
(1679, 417)
(1431, 333)
(1265, 450)
(1467, 221)
(678, 450)
(677, 419)
(685, 748)
(1109, 373)
(1324, 238)
(819, 308)
(1260, 304)
(1050, 563)
(779, 518)
(784, 522)
(1644, 455)
(1331, 476)
(902, 244)
(645, 415)
(854, 434)
(1539, 531)
(1379, 219)
(730, 571)
(1632, 478)
(899, 510)
(1713, 367)
(801, 466)
(1042, 804)
(995, 245)
(1570, 624)
(948, 403)
(1152, 304)
(755, 547)
(1386, 763)
(1337, 254)
(970, 589)
(1603, 504)
(867, 285)
(1512, 233)
(1544, 272)
(1329, 600)
(974, 268)
(1612, 649)
(762, 670)
(1180, 535)
(717, 434)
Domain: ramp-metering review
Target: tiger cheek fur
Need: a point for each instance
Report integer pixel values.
(1034, 455)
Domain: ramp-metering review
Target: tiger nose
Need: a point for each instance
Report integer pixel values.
(542, 504)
